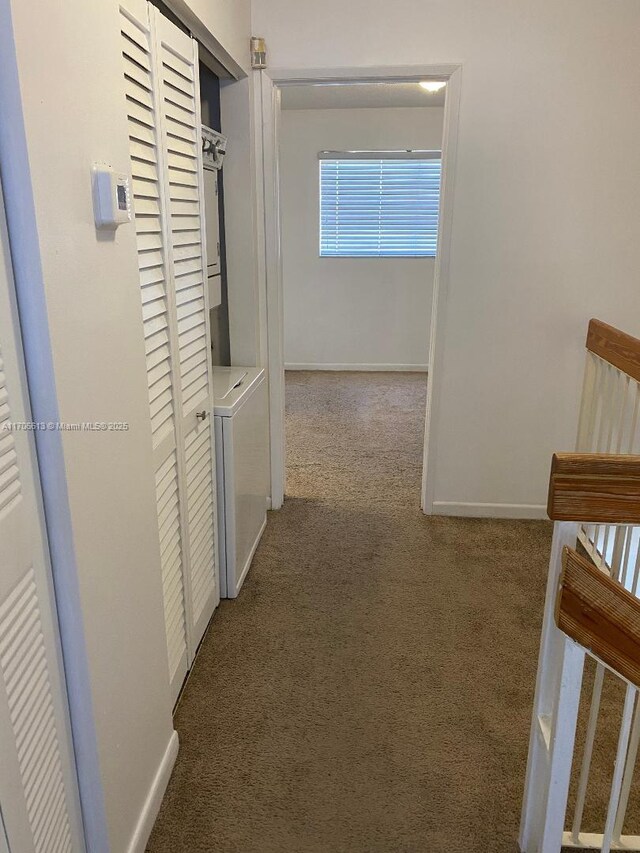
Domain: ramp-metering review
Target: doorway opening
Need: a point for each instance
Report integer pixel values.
(358, 186)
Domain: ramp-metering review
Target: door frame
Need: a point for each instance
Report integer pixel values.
(270, 85)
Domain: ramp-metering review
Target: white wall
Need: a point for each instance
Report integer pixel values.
(237, 104)
(547, 210)
(70, 79)
(349, 311)
(223, 26)
(230, 22)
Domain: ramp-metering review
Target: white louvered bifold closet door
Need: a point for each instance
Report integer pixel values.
(178, 66)
(161, 89)
(38, 787)
(154, 262)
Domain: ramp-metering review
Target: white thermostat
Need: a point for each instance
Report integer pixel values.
(111, 197)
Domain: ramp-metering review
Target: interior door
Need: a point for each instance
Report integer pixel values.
(39, 800)
(177, 62)
(163, 109)
(158, 309)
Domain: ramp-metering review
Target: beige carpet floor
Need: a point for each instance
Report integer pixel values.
(370, 690)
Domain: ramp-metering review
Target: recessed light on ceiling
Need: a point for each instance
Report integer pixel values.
(432, 85)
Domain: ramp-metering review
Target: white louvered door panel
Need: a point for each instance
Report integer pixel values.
(158, 306)
(38, 787)
(177, 63)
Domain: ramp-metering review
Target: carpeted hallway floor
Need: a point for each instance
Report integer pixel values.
(370, 689)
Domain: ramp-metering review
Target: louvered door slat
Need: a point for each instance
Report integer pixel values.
(183, 223)
(138, 113)
(138, 75)
(181, 126)
(184, 208)
(139, 146)
(10, 487)
(188, 280)
(153, 307)
(135, 34)
(202, 544)
(178, 62)
(188, 250)
(180, 177)
(171, 561)
(201, 507)
(145, 168)
(190, 265)
(148, 225)
(200, 534)
(182, 193)
(150, 257)
(135, 53)
(180, 97)
(143, 186)
(140, 95)
(182, 84)
(149, 240)
(154, 261)
(182, 162)
(189, 308)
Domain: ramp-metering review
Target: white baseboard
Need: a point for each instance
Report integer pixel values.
(477, 510)
(154, 798)
(400, 368)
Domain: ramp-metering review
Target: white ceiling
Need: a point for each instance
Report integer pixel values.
(356, 96)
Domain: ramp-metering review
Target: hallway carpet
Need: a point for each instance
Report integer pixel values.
(370, 690)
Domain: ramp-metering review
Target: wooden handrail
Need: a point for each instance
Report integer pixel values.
(616, 347)
(601, 488)
(599, 614)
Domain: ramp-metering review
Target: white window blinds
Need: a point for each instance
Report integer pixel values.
(379, 204)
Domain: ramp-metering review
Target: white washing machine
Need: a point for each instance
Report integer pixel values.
(241, 418)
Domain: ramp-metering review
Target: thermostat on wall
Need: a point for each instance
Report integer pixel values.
(111, 197)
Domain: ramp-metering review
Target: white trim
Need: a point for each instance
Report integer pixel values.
(350, 74)
(272, 82)
(400, 368)
(274, 315)
(440, 283)
(478, 510)
(153, 800)
(404, 154)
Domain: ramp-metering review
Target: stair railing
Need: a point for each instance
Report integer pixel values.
(594, 500)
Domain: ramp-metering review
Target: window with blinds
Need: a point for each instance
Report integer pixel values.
(379, 204)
